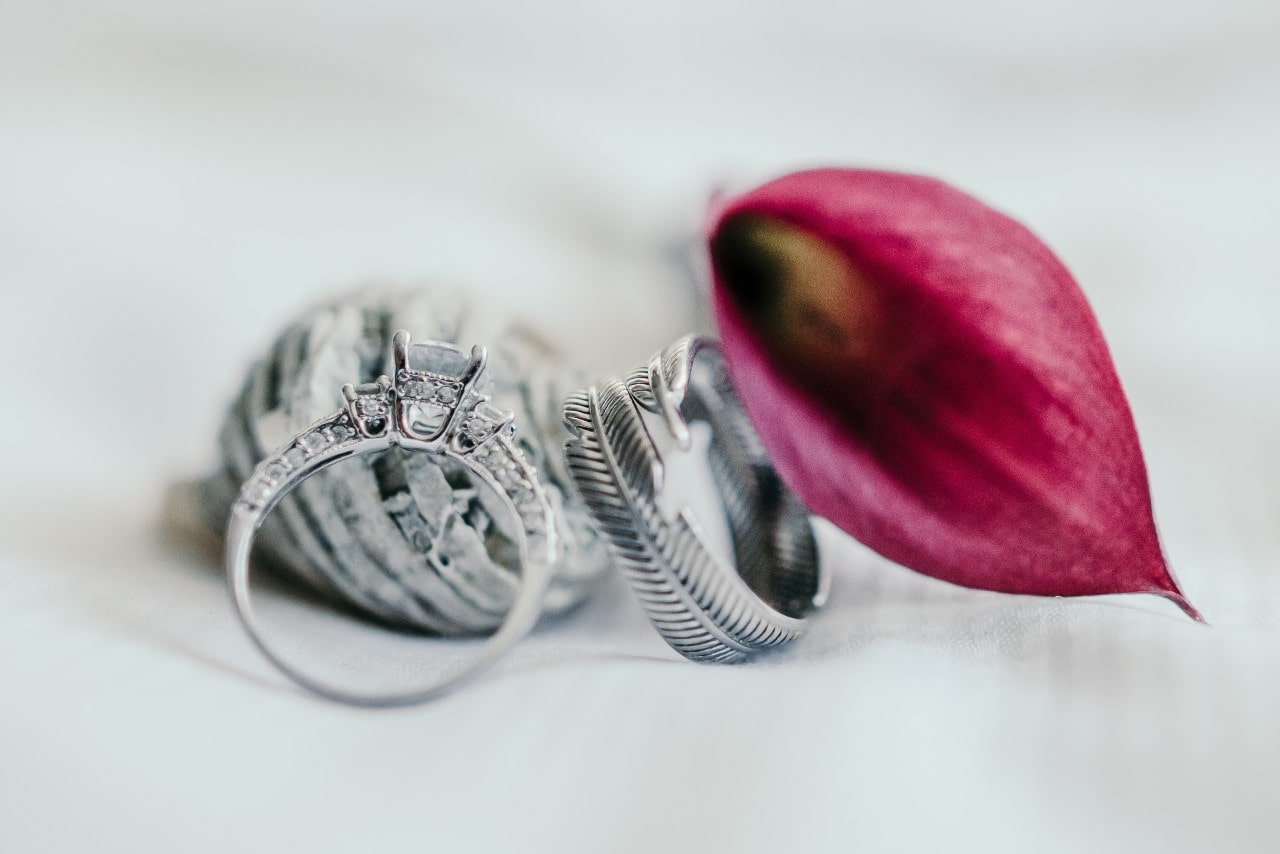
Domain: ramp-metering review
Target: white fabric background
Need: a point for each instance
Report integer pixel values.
(178, 178)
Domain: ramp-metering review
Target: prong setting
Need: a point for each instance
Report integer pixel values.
(437, 397)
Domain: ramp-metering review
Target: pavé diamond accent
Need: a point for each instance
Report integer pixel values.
(314, 441)
(444, 391)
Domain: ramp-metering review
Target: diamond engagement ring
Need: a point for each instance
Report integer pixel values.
(708, 606)
(435, 404)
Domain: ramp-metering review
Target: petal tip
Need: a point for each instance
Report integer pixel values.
(1182, 602)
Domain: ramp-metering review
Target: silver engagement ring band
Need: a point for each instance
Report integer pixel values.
(708, 606)
(435, 404)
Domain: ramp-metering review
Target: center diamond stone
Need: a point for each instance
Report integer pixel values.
(436, 358)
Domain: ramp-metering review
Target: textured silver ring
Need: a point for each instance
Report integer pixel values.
(435, 404)
(706, 605)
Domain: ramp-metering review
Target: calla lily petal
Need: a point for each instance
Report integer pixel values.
(928, 375)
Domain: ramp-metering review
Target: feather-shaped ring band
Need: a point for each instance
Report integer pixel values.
(706, 605)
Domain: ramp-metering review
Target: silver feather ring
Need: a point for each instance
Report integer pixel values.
(707, 605)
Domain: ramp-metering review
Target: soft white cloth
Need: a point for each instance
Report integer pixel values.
(175, 179)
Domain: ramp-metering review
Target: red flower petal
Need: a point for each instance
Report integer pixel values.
(929, 377)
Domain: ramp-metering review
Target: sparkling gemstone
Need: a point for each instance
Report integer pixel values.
(314, 441)
(438, 358)
(295, 457)
(415, 389)
(340, 433)
(476, 428)
(489, 412)
(447, 394)
(259, 491)
(275, 471)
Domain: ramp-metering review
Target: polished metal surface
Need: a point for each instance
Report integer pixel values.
(708, 606)
(435, 406)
